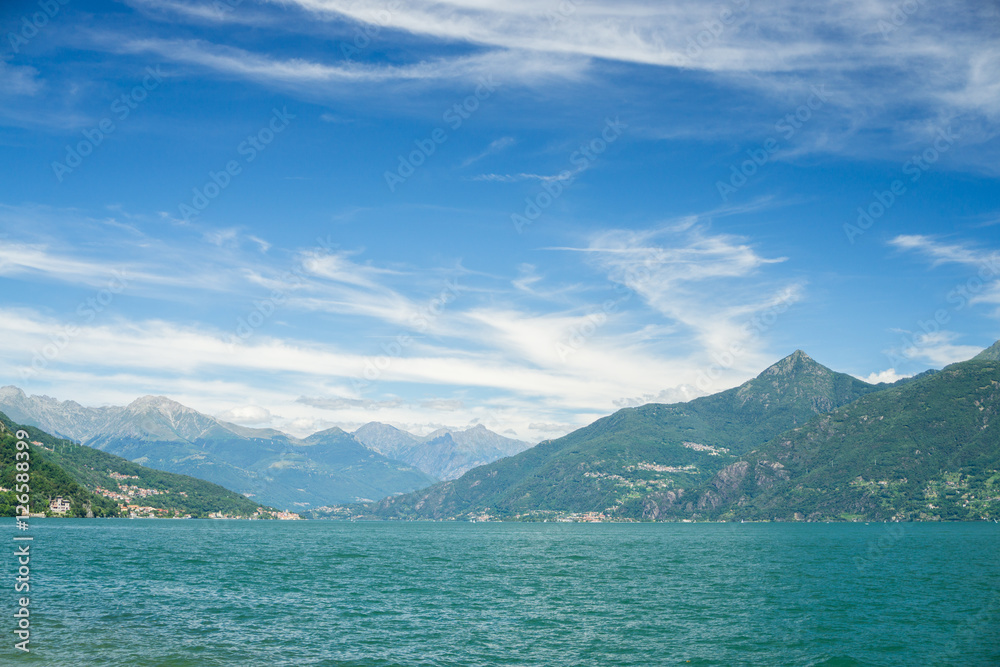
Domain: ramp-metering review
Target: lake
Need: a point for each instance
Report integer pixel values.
(187, 592)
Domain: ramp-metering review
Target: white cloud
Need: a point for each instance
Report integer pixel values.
(306, 75)
(442, 404)
(943, 253)
(938, 349)
(19, 259)
(349, 403)
(18, 80)
(228, 237)
(548, 428)
(335, 119)
(938, 67)
(262, 245)
(527, 279)
(708, 283)
(319, 280)
(625, 31)
(953, 55)
(247, 415)
(496, 146)
(888, 376)
(514, 178)
(232, 237)
(337, 266)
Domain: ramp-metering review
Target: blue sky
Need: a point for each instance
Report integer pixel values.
(310, 213)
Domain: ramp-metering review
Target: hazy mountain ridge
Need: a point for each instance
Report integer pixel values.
(270, 466)
(65, 419)
(265, 464)
(445, 454)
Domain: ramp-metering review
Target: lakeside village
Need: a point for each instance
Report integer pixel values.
(127, 494)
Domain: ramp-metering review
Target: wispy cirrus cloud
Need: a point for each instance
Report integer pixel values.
(983, 282)
(944, 253)
(220, 12)
(495, 147)
(18, 80)
(769, 37)
(298, 72)
(894, 76)
(515, 178)
(674, 267)
(892, 82)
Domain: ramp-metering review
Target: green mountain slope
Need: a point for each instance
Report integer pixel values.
(46, 481)
(929, 449)
(992, 353)
(98, 474)
(614, 465)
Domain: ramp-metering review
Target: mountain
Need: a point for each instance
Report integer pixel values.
(264, 464)
(617, 464)
(992, 353)
(66, 419)
(117, 486)
(47, 481)
(928, 450)
(387, 440)
(444, 454)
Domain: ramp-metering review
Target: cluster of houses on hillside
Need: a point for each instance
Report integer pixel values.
(126, 493)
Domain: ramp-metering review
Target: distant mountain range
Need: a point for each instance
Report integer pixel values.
(799, 441)
(264, 464)
(443, 454)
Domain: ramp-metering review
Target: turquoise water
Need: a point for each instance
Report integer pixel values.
(147, 592)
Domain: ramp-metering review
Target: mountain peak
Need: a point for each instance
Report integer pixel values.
(800, 383)
(154, 401)
(12, 391)
(333, 430)
(992, 353)
(167, 407)
(796, 362)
